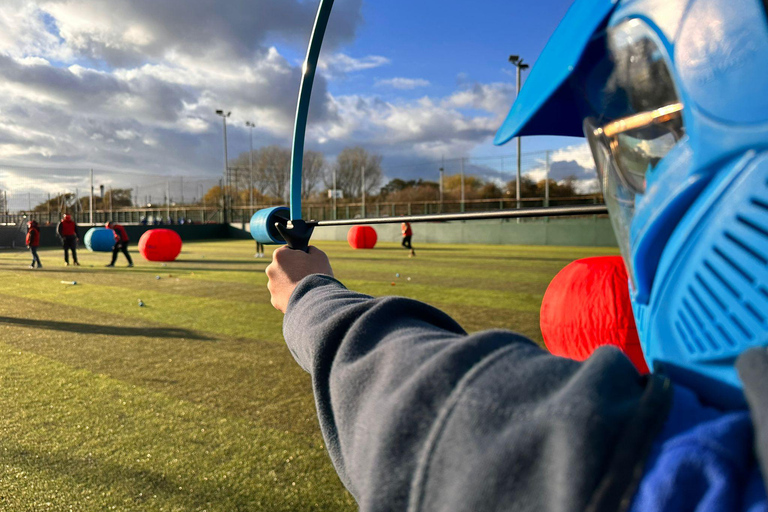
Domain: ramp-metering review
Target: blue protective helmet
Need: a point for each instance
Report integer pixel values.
(673, 98)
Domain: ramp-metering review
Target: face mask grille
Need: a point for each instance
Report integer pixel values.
(720, 301)
(716, 313)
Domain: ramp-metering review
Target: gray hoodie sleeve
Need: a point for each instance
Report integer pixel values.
(418, 415)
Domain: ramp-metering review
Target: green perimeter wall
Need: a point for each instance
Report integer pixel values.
(187, 232)
(590, 231)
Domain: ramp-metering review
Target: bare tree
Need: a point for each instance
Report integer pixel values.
(274, 170)
(241, 171)
(312, 171)
(271, 171)
(349, 169)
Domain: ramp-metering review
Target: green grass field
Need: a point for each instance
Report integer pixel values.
(193, 402)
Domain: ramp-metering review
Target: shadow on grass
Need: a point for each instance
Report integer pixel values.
(177, 271)
(425, 248)
(144, 487)
(220, 262)
(152, 332)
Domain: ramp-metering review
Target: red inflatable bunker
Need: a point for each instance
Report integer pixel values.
(587, 305)
(160, 245)
(362, 237)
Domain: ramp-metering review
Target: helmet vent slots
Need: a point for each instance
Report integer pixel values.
(725, 303)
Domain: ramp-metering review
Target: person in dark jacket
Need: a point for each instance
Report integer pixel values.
(418, 415)
(33, 242)
(121, 243)
(67, 231)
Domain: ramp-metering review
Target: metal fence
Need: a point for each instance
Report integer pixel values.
(95, 196)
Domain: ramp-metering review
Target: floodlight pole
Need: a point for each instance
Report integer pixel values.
(226, 164)
(250, 126)
(518, 63)
(91, 205)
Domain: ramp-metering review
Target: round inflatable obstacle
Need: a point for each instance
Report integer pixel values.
(586, 306)
(263, 224)
(160, 245)
(362, 237)
(99, 240)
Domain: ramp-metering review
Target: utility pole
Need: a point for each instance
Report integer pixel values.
(221, 187)
(362, 171)
(518, 63)
(546, 183)
(168, 200)
(181, 186)
(251, 126)
(226, 165)
(462, 185)
(442, 172)
(91, 207)
(334, 192)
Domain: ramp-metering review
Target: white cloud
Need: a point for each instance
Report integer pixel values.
(403, 83)
(132, 86)
(426, 127)
(126, 134)
(340, 64)
(580, 153)
(570, 162)
(494, 97)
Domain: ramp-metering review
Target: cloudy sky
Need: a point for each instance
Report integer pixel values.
(129, 87)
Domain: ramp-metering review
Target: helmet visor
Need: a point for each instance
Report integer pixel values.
(625, 151)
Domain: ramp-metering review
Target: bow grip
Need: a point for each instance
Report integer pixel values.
(296, 234)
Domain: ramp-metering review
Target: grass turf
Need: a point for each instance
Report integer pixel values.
(192, 402)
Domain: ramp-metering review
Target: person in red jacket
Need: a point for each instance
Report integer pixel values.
(67, 231)
(33, 241)
(405, 227)
(121, 243)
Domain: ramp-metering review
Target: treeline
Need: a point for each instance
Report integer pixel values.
(113, 199)
(265, 175)
(272, 172)
(398, 190)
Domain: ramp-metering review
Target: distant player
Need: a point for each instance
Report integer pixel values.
(405, 227)
(67, 231)
(259, 250)
(121, 243)
(33, 241)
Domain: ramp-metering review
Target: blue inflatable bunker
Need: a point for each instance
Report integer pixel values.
(99, 240)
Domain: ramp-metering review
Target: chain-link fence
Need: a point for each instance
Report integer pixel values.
(547, 178)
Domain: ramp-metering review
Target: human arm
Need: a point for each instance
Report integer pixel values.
(418, 415)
